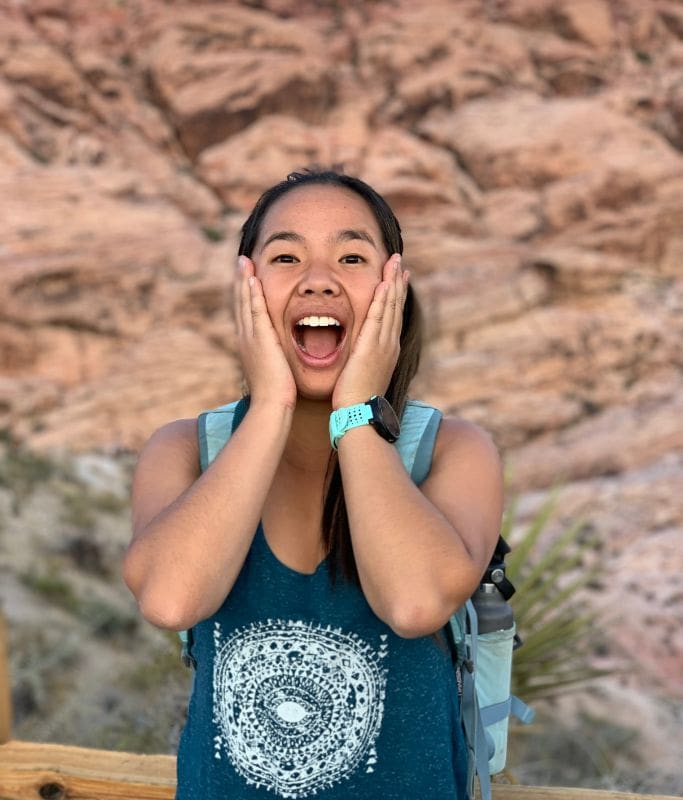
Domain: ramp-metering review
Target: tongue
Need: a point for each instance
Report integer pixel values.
(319, 342)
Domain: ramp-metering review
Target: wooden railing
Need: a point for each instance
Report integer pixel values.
(31, 771)
(54, 772)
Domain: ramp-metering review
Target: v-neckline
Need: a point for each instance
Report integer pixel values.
(322, 565)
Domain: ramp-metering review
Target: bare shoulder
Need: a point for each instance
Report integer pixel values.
(460, 439)
(177, 438)
(466, 484)
(168, 464)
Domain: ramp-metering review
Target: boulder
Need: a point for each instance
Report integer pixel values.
(217, 69)
(527, 141)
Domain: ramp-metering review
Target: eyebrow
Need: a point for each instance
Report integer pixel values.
(347, 235)
(351, 234)
(287, 236)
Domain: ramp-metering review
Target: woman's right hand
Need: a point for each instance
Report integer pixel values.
(266, 370)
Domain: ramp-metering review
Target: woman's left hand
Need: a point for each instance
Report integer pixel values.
(375, 352)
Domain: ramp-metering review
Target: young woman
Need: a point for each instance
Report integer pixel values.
(316, 579)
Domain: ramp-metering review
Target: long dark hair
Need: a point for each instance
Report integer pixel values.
(335, 521)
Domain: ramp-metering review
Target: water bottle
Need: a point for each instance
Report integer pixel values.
(494, 613)
(495, 642)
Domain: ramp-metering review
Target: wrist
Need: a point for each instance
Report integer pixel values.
(270, 411)
(363, 435)
(350, 400)
(276, 402)
(375, 412)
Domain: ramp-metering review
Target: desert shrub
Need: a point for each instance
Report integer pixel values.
(21, 471)
(559, 633)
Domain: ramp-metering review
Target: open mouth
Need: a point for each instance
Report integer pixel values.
(319, 337)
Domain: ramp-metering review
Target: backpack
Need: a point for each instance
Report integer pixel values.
(482, 661)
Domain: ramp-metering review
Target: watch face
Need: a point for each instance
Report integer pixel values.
(388, 421)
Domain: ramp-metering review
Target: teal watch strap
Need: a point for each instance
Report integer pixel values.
(343, 419)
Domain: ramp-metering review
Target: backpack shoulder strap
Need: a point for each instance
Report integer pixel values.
(215, 428)
(419, 426)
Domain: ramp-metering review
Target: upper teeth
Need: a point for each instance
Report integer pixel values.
(317, 322)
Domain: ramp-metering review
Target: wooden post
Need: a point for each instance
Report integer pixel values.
(5, 695)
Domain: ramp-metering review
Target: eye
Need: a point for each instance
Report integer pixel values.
(284, 258)
(352, 259)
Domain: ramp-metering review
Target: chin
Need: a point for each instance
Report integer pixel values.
(318, 391)
(321, 396)
(316, 385)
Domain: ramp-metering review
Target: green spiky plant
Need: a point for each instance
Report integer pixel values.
(559, 635)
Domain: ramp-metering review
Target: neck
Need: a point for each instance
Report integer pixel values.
(308, 445)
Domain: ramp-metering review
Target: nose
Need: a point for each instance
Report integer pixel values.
(318, 278)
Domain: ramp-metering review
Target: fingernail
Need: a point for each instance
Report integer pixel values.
(240, 263)
(397, 264)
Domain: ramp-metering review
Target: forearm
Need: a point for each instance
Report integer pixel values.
(184, 562)
(414, 566)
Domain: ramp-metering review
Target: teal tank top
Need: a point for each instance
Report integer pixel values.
(301, 691)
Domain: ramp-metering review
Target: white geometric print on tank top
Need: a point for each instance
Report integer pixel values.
(297, 706)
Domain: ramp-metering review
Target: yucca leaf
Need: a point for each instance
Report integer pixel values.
(549, 662)
(561, 617)
(509, 518)
(540, 593)
(533, 616)
(558, 633)
(567, 676)
(520, 553)
(569, 630)
(553, 636)
(536, 677)
(554, 684)
(542, 601)
(547, 566)
(561, 629)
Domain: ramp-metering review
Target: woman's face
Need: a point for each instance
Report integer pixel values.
(319, 256)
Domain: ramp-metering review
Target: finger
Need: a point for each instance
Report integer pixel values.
(390, 306)
(237, 296)
(261, 323)
(378, 306)
(376, 310)
(392, 309)
(245, 297)
(400, 308)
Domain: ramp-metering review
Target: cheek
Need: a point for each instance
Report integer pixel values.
(273, 292)
(366, 293)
